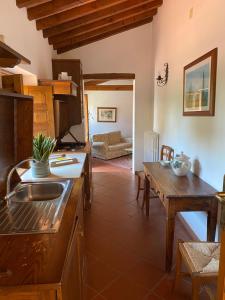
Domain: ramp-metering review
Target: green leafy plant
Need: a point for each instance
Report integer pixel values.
(43, 147)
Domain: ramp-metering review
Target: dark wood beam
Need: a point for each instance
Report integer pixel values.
(108, 87)
(94, 82)
(103, 36)
(109, 76)
(30, 3)
(99, 15)
(104, 22)
(75, 13)
(53, 7)
(104, 30)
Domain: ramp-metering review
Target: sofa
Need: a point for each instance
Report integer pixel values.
(110, 145)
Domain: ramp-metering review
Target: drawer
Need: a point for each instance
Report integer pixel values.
(63, 88)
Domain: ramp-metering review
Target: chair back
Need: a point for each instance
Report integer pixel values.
(167, 153)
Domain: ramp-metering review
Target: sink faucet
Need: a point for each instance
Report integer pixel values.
(8, 193)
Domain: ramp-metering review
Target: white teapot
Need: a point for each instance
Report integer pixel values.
(181, 164)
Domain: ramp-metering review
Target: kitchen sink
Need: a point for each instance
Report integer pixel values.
(35, 207)
(43, 191)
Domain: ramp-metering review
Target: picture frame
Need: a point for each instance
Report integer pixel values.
(199, 85)
(107, 114)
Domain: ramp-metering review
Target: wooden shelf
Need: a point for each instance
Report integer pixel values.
(14, 95)
(9, 58)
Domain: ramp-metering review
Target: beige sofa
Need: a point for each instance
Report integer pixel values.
(110, 145)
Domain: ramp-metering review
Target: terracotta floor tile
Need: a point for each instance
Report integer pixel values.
(99, 275)
(126, 249)
(99, 297)
(89, 293)
(124, 289)
(144, 273)
(152, 297)
(165, 290)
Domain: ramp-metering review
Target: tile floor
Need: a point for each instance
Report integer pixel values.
(126, 250)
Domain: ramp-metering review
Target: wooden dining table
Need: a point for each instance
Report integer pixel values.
(179, 194)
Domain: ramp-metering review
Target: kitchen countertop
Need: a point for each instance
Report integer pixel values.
(66, 171)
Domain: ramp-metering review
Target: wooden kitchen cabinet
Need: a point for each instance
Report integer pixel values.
(72, 280)
(43, 109)
(48, 266)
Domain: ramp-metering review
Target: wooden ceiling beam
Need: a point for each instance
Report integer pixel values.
(94, 82)
(108, 87)
(104, 22)
(104, 30)
(76, 12)
(109, 76)
(103, 36)
(30, 3)
(55, 6)
(99, 15)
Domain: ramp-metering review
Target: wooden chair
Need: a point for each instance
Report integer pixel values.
(166, 153)
(202, 262)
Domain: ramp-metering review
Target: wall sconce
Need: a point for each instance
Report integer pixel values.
(162, 80)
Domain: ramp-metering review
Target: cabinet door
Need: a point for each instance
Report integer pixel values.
(71, 283)
(86, 118)
(43, 109)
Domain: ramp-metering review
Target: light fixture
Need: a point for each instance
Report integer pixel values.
(162, 79)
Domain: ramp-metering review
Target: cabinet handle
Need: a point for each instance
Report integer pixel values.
(81, 233)
(6, 273)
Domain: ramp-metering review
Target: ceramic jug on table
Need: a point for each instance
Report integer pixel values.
(181, 164)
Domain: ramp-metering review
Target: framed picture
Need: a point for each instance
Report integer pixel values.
(200, 86)
(106, 114)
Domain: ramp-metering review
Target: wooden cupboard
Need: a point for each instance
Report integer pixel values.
(16, 132)
(43, 109)
(74, 68)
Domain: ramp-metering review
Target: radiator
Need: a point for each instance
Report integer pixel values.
(151, 146)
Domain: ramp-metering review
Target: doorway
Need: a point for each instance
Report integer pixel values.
(111, 94)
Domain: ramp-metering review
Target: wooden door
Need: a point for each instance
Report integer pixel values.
(43, 109)
(13, 83)
(86, 118)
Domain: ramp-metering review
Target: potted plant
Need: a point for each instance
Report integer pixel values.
(42, 148)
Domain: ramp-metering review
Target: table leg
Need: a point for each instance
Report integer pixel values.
(212, 221)
(146, 195)
(170, 226)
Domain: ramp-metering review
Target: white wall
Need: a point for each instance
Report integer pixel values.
(178, 40)
(22, 36)
(128, 52)
(122, 100)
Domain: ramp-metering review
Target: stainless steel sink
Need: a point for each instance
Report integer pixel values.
(38, 191)
(35, 207)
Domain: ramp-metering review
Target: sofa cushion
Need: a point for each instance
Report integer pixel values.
(119, 146)
(114, 137)
(101, 138)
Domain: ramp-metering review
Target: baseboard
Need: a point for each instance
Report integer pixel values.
(190, 232)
